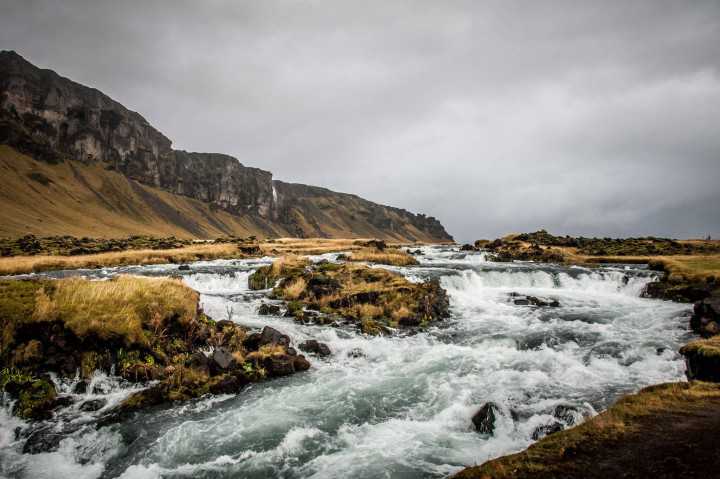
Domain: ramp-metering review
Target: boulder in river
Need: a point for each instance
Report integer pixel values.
(93, 405)
(484, 419)
(546, 430)
(315, 347)
(266, 309)
(45, 439)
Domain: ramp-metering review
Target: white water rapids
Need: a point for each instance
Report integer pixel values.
(396, 407)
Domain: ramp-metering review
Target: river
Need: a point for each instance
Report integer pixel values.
(393, 407)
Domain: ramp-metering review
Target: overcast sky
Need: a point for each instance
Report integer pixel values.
(595, 118)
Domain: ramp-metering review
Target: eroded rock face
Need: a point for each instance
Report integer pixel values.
(51, 118)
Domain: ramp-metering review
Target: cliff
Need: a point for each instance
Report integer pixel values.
(53, 119)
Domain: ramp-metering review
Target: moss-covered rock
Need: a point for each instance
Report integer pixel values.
(703, 359)
(35, 397)
(373, 298)
(150, 329)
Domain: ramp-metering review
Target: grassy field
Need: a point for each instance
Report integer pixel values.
(29, 264)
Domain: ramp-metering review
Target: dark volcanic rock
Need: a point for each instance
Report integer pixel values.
(280, 365)
(46, 439)
(565, 413)
(93, 405)
(273, 336)
(546, 430)
(484, 419)
(705, 319)
(199, 362)
(316, 347)
(266, 309)
(222, 360)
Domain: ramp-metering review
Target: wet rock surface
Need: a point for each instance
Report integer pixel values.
(315, 347)
(484, 419)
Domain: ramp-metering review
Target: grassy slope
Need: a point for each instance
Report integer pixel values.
(341, 216)
(75, 199)
(88, 200)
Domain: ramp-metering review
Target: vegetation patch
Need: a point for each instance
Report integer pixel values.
(373, 298)
(199, 252)
(389, 256)
(150, 328)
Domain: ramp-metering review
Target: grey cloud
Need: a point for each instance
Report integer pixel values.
(581, 117)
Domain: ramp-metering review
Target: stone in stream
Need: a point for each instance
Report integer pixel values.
(546, 430)
(266, 309)
(93, 405)
(316, 347)
(184, 267)
(273, 336)
(484, 419)
(565, 413)
(284, 364)
(521, 300)
(46, 439)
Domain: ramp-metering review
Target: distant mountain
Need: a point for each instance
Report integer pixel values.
(78, 162)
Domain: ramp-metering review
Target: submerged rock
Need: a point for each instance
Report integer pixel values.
(546, 430)
(36, 398)
(566, 413)
(93, 405)
(520, 300)
(45, 439)
(484, 419)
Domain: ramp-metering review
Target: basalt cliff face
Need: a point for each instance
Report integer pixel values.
(52, 119)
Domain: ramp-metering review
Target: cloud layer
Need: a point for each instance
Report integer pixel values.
(596, 118)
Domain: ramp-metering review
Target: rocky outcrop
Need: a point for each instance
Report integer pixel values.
(52, 118)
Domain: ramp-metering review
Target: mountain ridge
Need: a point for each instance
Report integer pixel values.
(53, 119)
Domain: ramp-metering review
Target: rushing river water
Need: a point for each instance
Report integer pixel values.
(395, 407)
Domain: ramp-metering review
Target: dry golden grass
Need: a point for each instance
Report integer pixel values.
(29, 264)
(294, 289)
(394, 257)
(119, 308)
(692, 267)
(401, 312)
(287, 262)
(367, 311)
(88, 200)
(310, 246)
